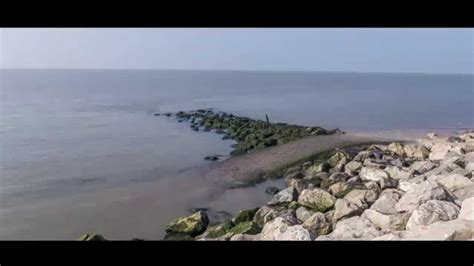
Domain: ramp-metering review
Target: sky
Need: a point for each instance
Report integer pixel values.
(405, 50)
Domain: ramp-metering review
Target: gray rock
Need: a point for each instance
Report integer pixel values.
(303, 213)
(339, 189)
(395, 221)
(420, 194)
(267, 213)
(467, 210)
(337, 157)
(398, 173)
(396, 148)
(281, 229)
(354, 180)
(416, 151)
(352, 168)
(432, 211)
(361, 156)
(453, 182)
(406, 185)
(302, 184)
(354, 228)
(422, 166)
(387, 200)
(322, 167)
(272, 190)
(372, 174)
(338, 177)
(363, 198)
(317, 224)
(388, 183)
(285, 196)
(465, 192)
(374, 163)
(345, 209)
(341, 164)
(316, 199)
(439, 150)
(469, 166)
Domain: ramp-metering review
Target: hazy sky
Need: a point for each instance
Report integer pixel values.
(329, 49)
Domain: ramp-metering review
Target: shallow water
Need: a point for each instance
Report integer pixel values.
(80, 149)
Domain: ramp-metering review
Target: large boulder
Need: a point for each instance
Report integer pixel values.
(439, 150)
(352, 168)
(395, 221)
(316, 199)
(284, 229)
(432, 211)
(464, 192)
(285, 196)
(362, 198)
(345, 209)
(419, 194)
(317, 224)
(372, 174)
(354, 228)
(398, 173)
(387, 200)
(453, 182)
(405, 185)
(416, 151)
(361, 156)
(467, 210)
(191, 225)
(422, 166)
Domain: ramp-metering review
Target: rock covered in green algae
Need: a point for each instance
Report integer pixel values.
(191, 225)
(92, 237)
(250, 134)
(217, 231)
(249, 227)
(245, 215)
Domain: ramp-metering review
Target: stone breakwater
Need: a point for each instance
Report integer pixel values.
(250, 134)
(401, 191)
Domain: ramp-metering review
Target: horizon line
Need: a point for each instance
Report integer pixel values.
(239, 70)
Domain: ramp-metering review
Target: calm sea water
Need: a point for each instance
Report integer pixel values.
(63, 132)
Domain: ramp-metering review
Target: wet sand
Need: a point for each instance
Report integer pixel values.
(143, 209)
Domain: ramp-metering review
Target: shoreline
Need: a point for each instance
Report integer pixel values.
(142, 204)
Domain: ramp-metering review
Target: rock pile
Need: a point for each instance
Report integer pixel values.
(418, 191)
